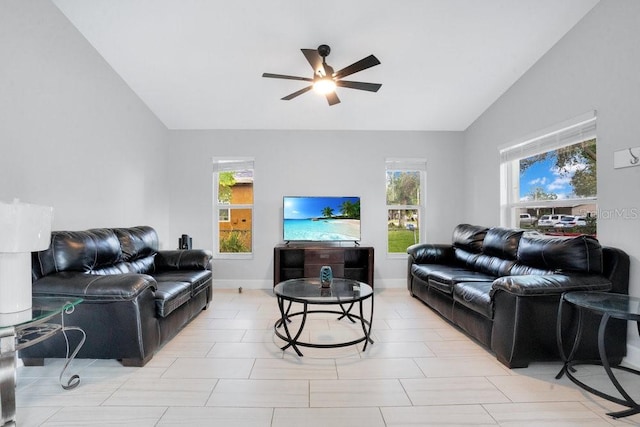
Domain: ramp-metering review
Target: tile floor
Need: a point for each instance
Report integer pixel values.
(226, 369)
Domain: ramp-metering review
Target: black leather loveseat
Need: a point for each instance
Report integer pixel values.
(136, 297)
(503, 286)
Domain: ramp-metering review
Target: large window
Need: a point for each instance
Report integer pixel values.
(405, 183)
(233, 199)
(549, 182)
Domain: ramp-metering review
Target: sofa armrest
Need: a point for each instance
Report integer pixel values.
(426, 253)
(190, 259)
(116, 287)
(550, 284)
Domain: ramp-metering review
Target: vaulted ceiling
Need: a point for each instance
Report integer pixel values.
(197, 64)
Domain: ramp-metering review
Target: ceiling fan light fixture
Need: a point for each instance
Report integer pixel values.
(324, 79)
(324, 86)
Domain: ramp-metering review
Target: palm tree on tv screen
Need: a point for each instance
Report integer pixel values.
(327, 212)
(350, 209)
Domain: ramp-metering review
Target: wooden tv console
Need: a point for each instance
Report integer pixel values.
(293, 262)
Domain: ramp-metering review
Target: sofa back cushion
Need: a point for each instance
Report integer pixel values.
(502, 242)
(82, 251)
(465, 258)
(469, 237)
(137, 242)
(559, 253)
(520, 270)
(493, 265)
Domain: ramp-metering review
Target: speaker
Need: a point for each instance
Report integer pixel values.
(185, 242)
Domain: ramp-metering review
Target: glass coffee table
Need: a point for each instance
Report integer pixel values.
(342, 294)
(609, 305)
(24, 329)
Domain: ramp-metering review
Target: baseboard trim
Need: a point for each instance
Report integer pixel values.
(633, 353)
(242, 283)
(268, 284)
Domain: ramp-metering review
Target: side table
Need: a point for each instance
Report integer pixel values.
(609, 305)
(24, 329)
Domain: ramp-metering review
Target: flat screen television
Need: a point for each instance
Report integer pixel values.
(321, 219)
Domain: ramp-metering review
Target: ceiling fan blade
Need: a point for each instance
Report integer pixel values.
(371, 87)
(332, 98)
(282, 76)
(363, 64)
(314, 58)
(297, 93)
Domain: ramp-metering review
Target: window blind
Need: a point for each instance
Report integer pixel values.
(406, 164)
(228, 165)
(582, 128)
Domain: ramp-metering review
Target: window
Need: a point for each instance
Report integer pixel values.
(549, 182)
(233, 200)
(224, 215)
(405, 183)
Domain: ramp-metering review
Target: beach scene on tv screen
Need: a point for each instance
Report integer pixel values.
(321, 218)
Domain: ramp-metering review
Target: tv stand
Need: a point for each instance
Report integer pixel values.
(293, 262)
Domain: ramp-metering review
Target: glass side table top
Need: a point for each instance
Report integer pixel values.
(24, 329)
(42, 309)
(619, 306)
(310, 290)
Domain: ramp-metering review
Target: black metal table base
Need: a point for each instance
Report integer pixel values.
(569, 364)
(13, 340)
(293, 341)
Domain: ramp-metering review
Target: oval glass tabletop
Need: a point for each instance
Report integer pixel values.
(41, 308)
(620, 306)
(310, 290)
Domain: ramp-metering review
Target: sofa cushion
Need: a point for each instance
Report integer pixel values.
(140, 266)
(493, 266)
(143, 265)
(192, 259)
(502, 242)
(469, 237)
(137, 242)
(119, 268)
(520, 269)
(83, 251)
(171, 295)
(447, 276)
(465, 258)
(91, 287)
(550, 284)
(198, 279)
(559, 253)
(422, 271)
(475, 296)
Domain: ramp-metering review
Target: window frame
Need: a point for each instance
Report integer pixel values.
(228, 164)
(406, 165)
(571, 132)
(228, 216)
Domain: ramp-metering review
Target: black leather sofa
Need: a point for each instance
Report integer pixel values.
(503, 286)
(136, 297)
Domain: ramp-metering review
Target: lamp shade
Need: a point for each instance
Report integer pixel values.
(24, 228)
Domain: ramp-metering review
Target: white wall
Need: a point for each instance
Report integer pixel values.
(74, 136)
(310, 163)
(72, 133)
(595, 67)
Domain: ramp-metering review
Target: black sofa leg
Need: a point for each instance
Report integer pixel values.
(136, 363)
(33, 361)
(514, 364)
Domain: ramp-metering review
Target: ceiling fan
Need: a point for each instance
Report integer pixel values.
(325, 80)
